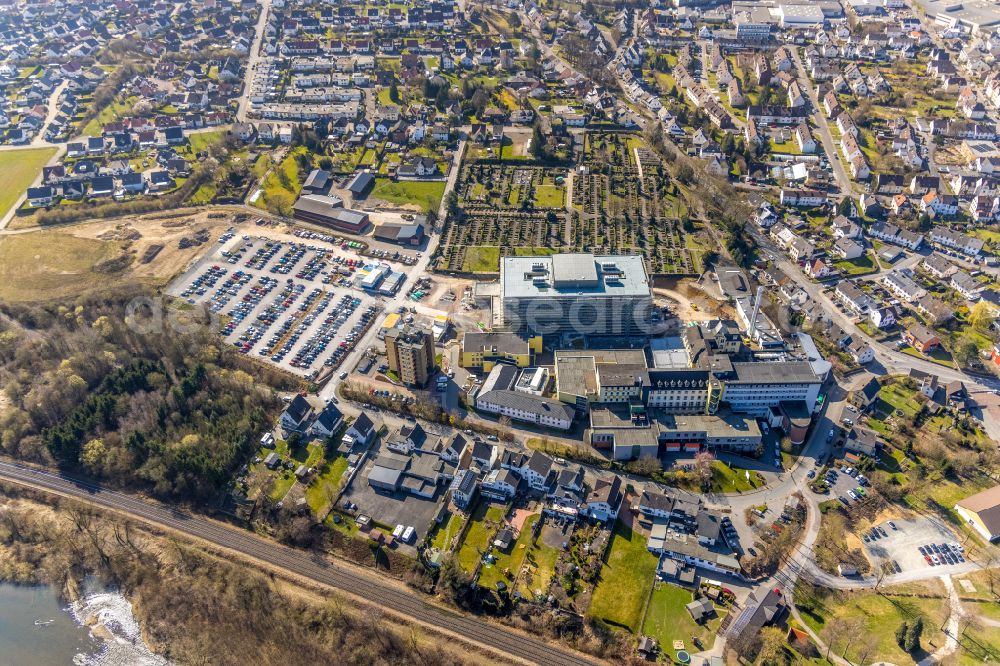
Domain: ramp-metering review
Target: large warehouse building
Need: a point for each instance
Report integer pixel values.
(329, 211)
(575, 293)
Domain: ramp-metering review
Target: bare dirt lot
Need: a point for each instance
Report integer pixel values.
(690, 301)
(69, 261)
(166, 230)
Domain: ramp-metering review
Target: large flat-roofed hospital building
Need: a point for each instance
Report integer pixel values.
(575, 293)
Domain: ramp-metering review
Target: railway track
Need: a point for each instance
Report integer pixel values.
(498, 639)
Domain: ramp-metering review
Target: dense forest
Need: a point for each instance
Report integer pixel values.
(132, 395)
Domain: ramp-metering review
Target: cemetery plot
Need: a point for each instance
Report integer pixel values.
(618, 199)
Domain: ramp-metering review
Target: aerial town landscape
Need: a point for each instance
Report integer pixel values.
(556, 332)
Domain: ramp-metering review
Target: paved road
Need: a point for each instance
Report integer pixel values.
(393, 303)
(891, 360)
(302, 563)
(253, 59)
(832, 153)
(53, 111)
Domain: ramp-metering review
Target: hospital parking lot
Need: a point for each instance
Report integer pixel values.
(297, 305)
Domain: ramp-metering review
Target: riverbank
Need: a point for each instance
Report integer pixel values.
(192, 606)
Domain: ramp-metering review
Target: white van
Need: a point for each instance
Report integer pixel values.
(408, 534)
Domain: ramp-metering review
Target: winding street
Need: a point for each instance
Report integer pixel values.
(363, 585)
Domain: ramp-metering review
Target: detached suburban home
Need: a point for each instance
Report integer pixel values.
(861, 352)
(362, 431)
(819, 270)
(326, 422)
(883, 317)
(921, 338)
(604, 500)
(848, 248)
(133, 182)
(160, 180)
(296, 415)
(39, 197)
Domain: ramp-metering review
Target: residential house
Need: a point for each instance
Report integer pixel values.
(297, 415)
(804, 138)
(851, 296)
(848, 248)
(922, 338)
(500, 484)
(902, 285)
(535, 471)
(802, 198)
(969, 245)
(863, 441)
(938, 266)
(463, 488)
(603, 501)
(861, 352)
(326, 422)
(819, 270)
(934, 309)
(361, 431)
(867, 395)
(884, 316)
(891, 233)
(844, 228)
(966, 285)
(941, 204)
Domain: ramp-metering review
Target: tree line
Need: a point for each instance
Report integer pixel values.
(96, 389)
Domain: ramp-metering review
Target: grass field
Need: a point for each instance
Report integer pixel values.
(284, 179)
(108, 114)
(204, 194)
(988, 235)
(726, 479)
(49, 264)
(384, 98)
(328, 477)
(485, 520)
(549, 196)
(626, 577)
(482, 259)
(790, 147)
(667, 620)
(18, 170)
(541, 566)
(876, 616)
(860, 266)
(424, 194)
(446, 531)
(199, 141)
(512, 560)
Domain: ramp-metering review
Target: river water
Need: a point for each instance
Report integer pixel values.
(37, 628)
